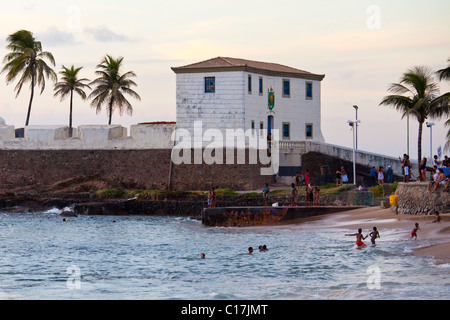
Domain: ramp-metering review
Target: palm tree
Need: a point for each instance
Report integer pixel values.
(111, 87)
(444, 74)
(417, 95)
(69, 84)
(26, 60)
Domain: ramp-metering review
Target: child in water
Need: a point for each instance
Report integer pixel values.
(414, 231)
(374, 234)
(359, 238)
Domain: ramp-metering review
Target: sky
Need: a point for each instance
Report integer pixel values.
(361, 46)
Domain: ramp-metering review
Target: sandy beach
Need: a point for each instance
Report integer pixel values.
(386, 219)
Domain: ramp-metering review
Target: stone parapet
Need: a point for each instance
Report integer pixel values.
(98, 137)
(414, 198)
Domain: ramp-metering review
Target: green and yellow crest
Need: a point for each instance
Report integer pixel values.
(271, 98)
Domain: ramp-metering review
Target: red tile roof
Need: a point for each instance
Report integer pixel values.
(235, 64)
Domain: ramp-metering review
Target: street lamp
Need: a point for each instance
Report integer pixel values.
(356, 110)
(354, 125)
(430, 125)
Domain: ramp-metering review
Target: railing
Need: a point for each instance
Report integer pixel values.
(291, 145)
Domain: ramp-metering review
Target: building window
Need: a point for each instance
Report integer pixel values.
(309, 91)
(260, 86)
(253, 127)
(249, 84)
(286, 130)
(286, 88)
(261, 128)
(309, 131)
(210, 84)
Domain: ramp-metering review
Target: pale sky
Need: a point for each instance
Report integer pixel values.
(361, 46)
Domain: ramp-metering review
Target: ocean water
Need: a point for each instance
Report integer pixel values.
(105, 257)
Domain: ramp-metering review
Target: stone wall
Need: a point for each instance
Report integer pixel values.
(413, 198)
(133, 169)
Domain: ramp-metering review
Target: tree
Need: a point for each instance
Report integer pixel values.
(444, 74)
(68, 85)
(26, 60)
(111, 87)
(417, 94)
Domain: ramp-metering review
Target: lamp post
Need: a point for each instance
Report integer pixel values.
(354, 124)
(430, 125)
(356, 133)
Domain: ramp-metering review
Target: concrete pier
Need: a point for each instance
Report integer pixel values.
(260, 216)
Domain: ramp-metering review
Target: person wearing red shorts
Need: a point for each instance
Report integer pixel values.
(359, 238)
(414, 231)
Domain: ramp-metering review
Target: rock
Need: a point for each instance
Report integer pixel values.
(67, 213)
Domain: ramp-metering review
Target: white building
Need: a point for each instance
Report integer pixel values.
(230, 93)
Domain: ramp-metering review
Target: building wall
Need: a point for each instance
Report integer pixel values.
(232, 106)
(220, 110)
(295, 109)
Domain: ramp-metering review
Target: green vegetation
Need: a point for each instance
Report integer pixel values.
(68, 85)
(26, 60)
(225, 192)
(111, 193)
(417, 95)
(377, 191)
(111, 87)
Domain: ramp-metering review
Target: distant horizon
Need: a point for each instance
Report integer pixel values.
(361, 47)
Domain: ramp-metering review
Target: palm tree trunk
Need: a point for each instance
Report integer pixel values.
(70, 113)
(419, 144)
(31, 99)
(110, 111)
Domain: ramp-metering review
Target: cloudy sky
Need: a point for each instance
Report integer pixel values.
(361, 46)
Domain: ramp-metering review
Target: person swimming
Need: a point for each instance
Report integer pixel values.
(359, 238)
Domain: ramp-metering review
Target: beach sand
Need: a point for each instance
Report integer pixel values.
(367, 218)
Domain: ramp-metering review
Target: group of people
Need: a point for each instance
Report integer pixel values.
(423, 169)
(341, 177)
(312, 195)
(302, 178)
(438, 179)
(262, 248)
(379, 177)
(375, 234)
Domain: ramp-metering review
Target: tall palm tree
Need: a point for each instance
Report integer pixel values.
(417, 94)
(26, 60)
(111, 85)
(68, 85)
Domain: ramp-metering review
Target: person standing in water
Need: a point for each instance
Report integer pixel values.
(414, 231)
(374, 234)
(359, 238)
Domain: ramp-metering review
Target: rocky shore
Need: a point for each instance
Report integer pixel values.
(170, 204)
